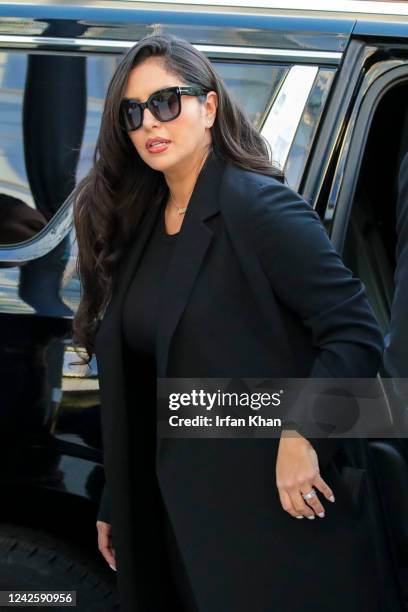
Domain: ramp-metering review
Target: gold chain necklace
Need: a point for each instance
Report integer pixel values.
(180, 210)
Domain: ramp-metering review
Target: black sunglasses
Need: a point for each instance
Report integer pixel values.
(165, 105)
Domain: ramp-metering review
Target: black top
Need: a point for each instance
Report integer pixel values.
(139, 323)
(140, 308)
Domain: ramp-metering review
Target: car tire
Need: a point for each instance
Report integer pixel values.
(37, 561)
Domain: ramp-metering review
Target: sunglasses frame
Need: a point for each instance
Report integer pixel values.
(191, 90)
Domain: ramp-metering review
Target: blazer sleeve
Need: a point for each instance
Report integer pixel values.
(104, 513)
(308, 276)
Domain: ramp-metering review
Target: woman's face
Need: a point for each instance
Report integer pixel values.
(189, 134)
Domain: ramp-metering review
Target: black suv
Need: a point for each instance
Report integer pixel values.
(327, 88)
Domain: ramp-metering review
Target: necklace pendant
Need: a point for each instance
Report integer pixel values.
(180, 210)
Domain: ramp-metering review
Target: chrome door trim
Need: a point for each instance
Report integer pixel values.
(40, 43)
(45, 241)
(282, 121)
(377, 71)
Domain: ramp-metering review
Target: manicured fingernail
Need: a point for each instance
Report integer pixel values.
(114, 568)
(311, 517)
(300, 516)
(321, 514)
(331, 498)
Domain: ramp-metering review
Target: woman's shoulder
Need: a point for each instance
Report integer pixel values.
(250, 180)
(252, 193)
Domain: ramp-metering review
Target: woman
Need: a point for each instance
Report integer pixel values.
(197, 261)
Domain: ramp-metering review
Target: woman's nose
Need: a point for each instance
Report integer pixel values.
(149, 120)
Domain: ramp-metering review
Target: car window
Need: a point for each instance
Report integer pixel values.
(252, 84)
(42, 109)
(50, 109)
(293, 118)
(308, 124)
(50, 112)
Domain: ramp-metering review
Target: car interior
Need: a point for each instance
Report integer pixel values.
(370, 252)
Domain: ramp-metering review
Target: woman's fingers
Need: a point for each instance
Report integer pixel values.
(287, 504)
(309, 508)
(315, 506)
(113, 566)
(105, 543)
(297, 473)
(293, 502)
(314, 501)
(324, 488)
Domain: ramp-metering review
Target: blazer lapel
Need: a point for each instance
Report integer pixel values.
(192, 244)
(112, 316)
(190, 249)
(108, 339)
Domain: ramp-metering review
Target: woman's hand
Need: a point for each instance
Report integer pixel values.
(297, 472)
(105, 543)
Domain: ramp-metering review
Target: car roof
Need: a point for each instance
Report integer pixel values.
(317, 8)
(234, 28)
(353, 8)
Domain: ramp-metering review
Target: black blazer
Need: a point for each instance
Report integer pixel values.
(254, 289)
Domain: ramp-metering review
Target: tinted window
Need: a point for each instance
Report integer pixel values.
(50, 111)
(253, 85)
(50, 107)
(293, 117)
(308, 124)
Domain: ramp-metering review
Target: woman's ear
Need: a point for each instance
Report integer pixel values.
(210, 107)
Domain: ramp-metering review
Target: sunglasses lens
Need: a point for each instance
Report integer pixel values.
(132, 116)
(165, 106)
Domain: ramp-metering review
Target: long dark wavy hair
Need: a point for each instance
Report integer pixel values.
(109, 201)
